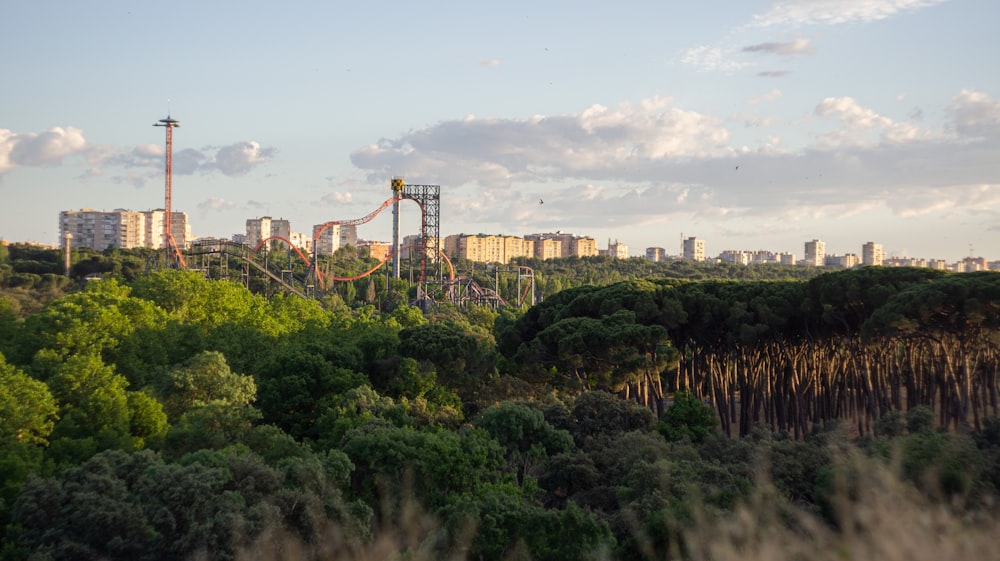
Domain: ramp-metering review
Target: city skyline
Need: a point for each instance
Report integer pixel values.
(760, 125)
(691, 248)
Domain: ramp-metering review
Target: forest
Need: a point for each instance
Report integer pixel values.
(638, 411)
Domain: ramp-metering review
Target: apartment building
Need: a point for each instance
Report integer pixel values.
(872, 254)
(694, 249)
(485, 248)
(815, 253)
(264, 227)
(122, 228)
(616, 250)
(411, 245)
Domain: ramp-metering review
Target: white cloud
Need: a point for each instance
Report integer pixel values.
(711, 59)
(772, 95)
(592, 143)
(336, 198)
(834, 12)
(48, 148)
(975, 114)
(652, 160)
(861, 126)
(239, 158)
(216, 204)
(797, 46)
(491, 62)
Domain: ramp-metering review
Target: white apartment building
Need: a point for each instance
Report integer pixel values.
(264, 227)
(694, 249)
(616, 250)
(411, 245)
(815, 254)
(122, 228)
(335, 237)
(872, 254)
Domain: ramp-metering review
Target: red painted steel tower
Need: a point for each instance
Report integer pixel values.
(169, 244)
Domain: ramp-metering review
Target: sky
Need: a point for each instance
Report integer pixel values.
(750, 124)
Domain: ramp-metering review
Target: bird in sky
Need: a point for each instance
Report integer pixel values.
(541, 202)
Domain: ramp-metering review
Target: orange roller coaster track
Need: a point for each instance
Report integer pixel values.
(324, 278)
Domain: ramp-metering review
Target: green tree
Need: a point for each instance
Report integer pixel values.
(203, 379)
(27, 408)
(687, 418)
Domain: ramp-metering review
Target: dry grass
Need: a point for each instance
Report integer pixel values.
(879, 517)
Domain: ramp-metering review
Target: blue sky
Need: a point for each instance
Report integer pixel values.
(750, 124)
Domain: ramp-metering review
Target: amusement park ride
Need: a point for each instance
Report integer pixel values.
(257, 266)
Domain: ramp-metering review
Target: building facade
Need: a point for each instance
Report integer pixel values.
(872, 254)
(120, 228)
(485, 248)
(815, 253)
(656, 254)
(694, 249)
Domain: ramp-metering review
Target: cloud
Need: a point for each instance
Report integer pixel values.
(239, 158)
(711, 59)
(336, 198)
(490, 63)
(773, 73)
(860, 124)
(975, 114)
(48, 148)
(772, 95)
(216, 204)
(499, 152)
(835, 12)
(798, 46)
(56, 145)
(652, 161)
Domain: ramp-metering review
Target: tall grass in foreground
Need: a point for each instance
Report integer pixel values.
(875, 516)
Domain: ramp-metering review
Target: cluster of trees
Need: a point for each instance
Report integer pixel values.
(855, 344)
(163, 415)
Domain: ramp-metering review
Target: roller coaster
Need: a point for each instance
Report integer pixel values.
(266, 269)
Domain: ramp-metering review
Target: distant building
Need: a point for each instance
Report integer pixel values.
(485, 248)
(846, 261)
(616, 250)
(120, 228)
(411, 245)
(559, 244)
(736, 257)
(264, 227)
(694, 249)
(334, 237)
(375, 250)
(872, 254)
(656, 254)
(815, 254)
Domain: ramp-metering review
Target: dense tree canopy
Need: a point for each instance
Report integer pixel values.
(165, 415)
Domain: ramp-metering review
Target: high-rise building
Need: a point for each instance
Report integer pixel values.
(121, 228)
(694, 249)
(328, 240)
(815, 253)
(656, 253)
(259, 229)
(872, 254)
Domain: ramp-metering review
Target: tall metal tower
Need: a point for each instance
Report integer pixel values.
(429, 199)
(169, 244)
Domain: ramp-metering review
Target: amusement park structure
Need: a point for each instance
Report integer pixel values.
(174, 257)
(432, 284)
